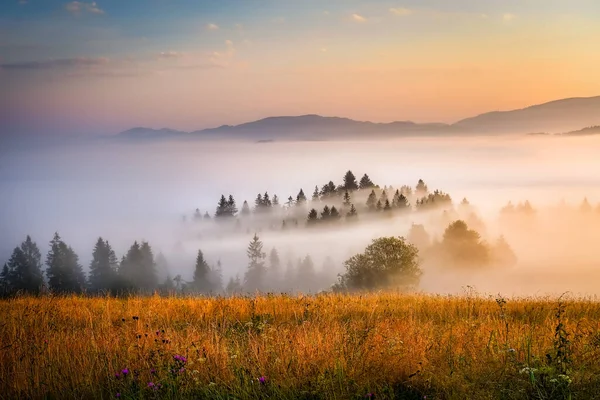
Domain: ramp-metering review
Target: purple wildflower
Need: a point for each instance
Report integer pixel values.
(180, 358)
(151, 384)
(262, 380)
(125, 371)
(152, 371)
(118, 395)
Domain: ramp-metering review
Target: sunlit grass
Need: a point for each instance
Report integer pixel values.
(329, 346)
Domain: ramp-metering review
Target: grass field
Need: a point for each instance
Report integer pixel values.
(382, 345)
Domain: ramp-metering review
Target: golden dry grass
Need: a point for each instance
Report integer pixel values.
(328, 346)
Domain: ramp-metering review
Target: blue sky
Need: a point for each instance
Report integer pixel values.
(191, 64)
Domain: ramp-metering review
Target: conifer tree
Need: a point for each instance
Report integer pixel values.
(383, 197)
(379, 206)
(275, 201)
(222, 207)
(202, 278)
(306, 275)
(206, 216)
(217, 278)
(300, 198)
(266, 200)
(290, 202)
(313, 217)
(274, 273)
(352, 214)
(231, 208)
(366, 183)
(103, 268)
(334, 214)
(421, 188)
(350, 182)
(372, 201)
(325, 214)
(65, 275)
(258, 203)
(347, 198)
(387, 206)
(197, 215)
(245, 209)
(255, 275)
(316, 194)
(24, 269)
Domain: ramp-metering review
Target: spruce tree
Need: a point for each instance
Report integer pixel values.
(231, 209)
(325, 214)
(352, 214)
(350, 182)
(316, 195)
(65, 275)
(267, 201)
(366, 183)
(258, 203)
(217, 278)
(24, 269)
(255, 275)
(275, 201)
(347, 198)
(313, 217)
(103, 268)
(148, 279)
(245, 209)
(201, 282)
(379, 206)
(334, 214)
(421, 188)
(372, 201)
(221, 207)
(138, 268)
(387, 206)
(300, 198)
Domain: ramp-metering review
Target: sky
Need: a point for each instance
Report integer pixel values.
(85, 67)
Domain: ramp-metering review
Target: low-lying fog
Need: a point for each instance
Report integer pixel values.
(125, 192)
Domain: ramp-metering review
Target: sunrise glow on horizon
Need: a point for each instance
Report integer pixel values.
(104, 66)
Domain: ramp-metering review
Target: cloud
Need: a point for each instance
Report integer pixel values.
(508, 17)
(358, 18)
(78, 7)
(401, 12)
(212, 27)
(63, 63)
(229, 43)
(170, 54)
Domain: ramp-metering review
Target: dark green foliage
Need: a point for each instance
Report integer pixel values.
(316, 194)
(325, 214)
(23, 272)
(138, 269)
(372, 201)
(202, 275)
(64, 273)
(255, 275)
(103, 268)
(388, 262)
(226, 207)
(366, 183)
(350, 182)
(352, 214)
(329, 190)
(313, 217)
(334, 214)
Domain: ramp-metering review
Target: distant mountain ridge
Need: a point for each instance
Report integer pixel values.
(564, 115)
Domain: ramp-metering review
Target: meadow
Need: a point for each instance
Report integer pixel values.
(330, 346)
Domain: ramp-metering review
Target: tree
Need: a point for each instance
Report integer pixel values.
(316, 196)
(103, 268)
(328, 190)
(325, 214)
(347, 199)
(290, 202)
(388, 262)
(462, 247)
(216, 278)
(231, 209)
(267, 201)
(259, 203)
(275, 201)
(202, 275)
(255, 275)
(372, 201)
(313, 217)
(138, 269)
(334, 214)
(65, 275)
(379, 206)
(245, 209)
(384, 197)
(387, 206)
(300, 198)
(197, 215)
(418, 236)
(352, 214)
(366, 183)
(350, 182)
(23, 271)
(502, 254)
(206, 216)
(400, 201)
(234, 286)
(421, 188)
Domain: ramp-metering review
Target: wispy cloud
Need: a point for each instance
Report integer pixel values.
(212, 27)
(63, 63)
(358, 18)
(508, 17)
(170, 54)
(401, 11)
(79, 7)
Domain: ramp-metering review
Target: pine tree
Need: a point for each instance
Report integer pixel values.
(290, 202)
(372, 201)
(234, 286)
(379, 205)
(148, 279)
(383, 197)
(325, 214)
(103, 268)
(300, 198)
(421, 188)
(347, 198)
(267, 201)
(255, 275)
(366, 183)
(316, 195)
(201, 282)
(387, 206)
(222, 207)
(65, 275)
(313, 217)
(400, 201)
(24, 269)
(206, 216)
(138, 267)
(245, 209)
(275, 201)
(5, 288)
(328, 190)
(197, 215)
(352, 214)
(217, 278)
(350, 182)
(334, 214)
(231, 208)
